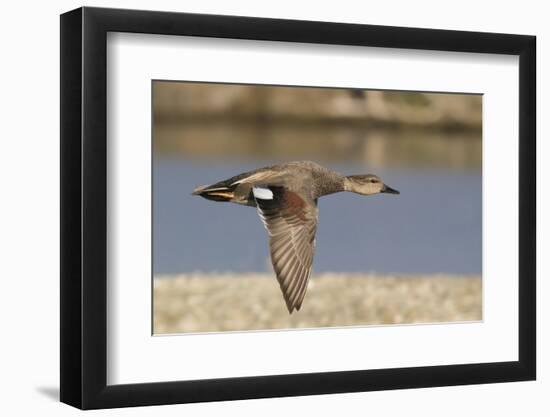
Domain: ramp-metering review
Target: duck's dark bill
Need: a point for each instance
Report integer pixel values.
(389, 190)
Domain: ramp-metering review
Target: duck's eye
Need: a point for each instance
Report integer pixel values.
(373, 180)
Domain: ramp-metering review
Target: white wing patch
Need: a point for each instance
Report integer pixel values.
(262, 193)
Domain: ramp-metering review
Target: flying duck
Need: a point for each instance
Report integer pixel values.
(285, 196)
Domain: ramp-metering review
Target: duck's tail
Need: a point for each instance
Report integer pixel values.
(215, 192)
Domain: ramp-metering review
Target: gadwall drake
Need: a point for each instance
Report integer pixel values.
(286, 198)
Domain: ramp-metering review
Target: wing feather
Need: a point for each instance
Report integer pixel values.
(291, 222)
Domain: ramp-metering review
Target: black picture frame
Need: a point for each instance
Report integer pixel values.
(84, 207)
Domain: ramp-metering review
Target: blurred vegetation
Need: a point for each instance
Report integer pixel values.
(380, 128)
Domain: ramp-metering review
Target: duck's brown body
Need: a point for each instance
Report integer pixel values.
(305, 177)
(286, 197)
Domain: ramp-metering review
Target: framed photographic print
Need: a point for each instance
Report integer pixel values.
(258, 207)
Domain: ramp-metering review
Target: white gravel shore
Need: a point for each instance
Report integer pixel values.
(202, 302)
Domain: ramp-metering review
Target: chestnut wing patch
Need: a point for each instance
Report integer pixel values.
(291, 222)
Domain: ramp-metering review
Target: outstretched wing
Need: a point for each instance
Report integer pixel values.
(291, 221)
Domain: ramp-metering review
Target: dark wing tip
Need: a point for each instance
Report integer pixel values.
(289, 306)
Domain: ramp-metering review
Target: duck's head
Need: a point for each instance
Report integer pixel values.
(367, 184)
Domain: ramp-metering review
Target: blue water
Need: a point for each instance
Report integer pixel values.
(433, 226)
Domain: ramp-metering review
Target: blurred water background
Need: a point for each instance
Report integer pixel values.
(428, 146)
